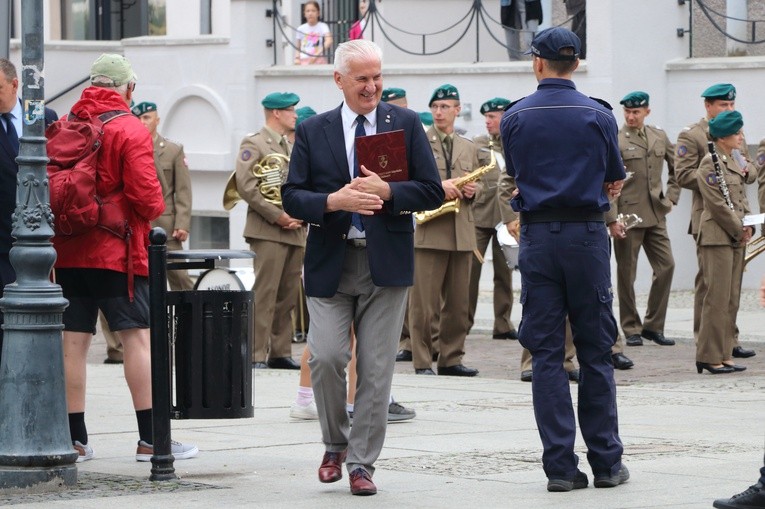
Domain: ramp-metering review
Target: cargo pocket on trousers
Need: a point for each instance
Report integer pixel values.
(608, 326)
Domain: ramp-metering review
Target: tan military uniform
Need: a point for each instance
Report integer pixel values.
(643, 194)
(279, 252)
(722, 254)
(690, 150)
(487, 215)
(443, 247)
(174, 176)
(760, 165)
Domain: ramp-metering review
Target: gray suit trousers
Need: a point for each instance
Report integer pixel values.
(377, 314)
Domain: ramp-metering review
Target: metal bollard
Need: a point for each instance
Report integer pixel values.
(162, 460)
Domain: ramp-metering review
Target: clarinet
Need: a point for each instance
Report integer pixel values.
(720, 176)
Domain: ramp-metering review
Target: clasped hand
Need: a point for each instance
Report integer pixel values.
(363, 195)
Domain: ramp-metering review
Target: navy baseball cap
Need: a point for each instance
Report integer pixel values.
(548, 43)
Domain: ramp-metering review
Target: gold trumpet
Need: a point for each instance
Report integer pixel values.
(454, 205)
(271, 171)
(753, 249)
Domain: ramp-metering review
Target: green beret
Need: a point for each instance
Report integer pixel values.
(724, 91)
(445, 92)
(280, 100)
(426, 118)
(304, 113)
(144, 107)
(393, 93)
(496, 104)
(725, 124)
(635, 99)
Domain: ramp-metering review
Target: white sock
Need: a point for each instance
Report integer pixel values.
(349, 407)
(304, 396)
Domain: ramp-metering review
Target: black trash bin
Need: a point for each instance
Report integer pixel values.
(210, 333)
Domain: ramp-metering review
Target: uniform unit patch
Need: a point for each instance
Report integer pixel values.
(246, 155)
(682, 150)
(711, 179)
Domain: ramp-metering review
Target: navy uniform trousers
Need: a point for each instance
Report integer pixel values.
(565, 270)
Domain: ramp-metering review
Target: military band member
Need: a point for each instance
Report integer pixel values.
(644, 149)
(722, 239)
(443, 249)
(487, 216)
(690, 149)
(173, 174)
(396, 96)
(277, 238)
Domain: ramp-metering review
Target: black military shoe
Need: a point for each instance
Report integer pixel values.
(621, 361)
(404, 356)
(657, 337)
(511, 334)
(752, 498)
(634, 340)
(743, 353)
(458, 370)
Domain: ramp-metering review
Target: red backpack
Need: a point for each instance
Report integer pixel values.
(73, 146)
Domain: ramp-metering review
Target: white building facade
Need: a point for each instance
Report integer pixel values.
(215, 62)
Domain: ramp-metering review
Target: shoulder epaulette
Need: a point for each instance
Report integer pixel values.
(602, 102)
(514, 103)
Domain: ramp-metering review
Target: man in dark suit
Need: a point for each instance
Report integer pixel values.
(10, 132)
(347, 283)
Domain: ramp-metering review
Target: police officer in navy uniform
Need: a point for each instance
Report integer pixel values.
(562, 149)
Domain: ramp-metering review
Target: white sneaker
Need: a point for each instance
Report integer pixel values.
(180, 451)
(307, 412)
(84, 450)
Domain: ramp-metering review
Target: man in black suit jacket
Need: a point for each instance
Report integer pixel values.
(11, 111)
(358, 265)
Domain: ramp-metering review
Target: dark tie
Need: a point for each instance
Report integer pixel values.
(356, 218)
(447, 145)
(10, 131)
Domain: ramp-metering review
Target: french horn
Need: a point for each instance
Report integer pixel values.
(271, 172)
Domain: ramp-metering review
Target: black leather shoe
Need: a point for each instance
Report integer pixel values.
(753, 497)
(458, 370)
(426, 371)
(259, 365)
(283, 363)
(634, 340)
(621, 361)
(657, 337)
(511, 334)
(743, 353)
(526, 376)
(701, 366)
(573, 375)
(109, 360)
(735, 367)
(404, 356)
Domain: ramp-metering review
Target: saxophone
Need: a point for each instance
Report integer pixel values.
(454, 205)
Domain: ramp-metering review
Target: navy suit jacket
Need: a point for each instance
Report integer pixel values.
(8, 171)
(318, 167)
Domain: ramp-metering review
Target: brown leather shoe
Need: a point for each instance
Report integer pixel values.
(361, 483)
(331, 469)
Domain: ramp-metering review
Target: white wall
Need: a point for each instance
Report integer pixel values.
(209, 88)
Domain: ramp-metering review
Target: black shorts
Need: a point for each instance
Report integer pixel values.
(89, 290)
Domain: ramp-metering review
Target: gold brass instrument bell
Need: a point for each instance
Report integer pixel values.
(271, 171)
(754, 248)
(450, 206)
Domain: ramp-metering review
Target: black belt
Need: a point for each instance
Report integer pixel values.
(356, 242)
(561, 215)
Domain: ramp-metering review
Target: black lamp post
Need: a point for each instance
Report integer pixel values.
(35, 447)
